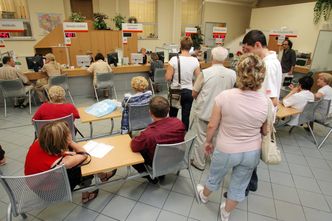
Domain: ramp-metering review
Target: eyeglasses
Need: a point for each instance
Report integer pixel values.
(284, 44)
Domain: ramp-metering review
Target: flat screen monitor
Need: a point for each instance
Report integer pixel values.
(170, 55)
(136, 58)
(83, 60)
(301, 61)
(161, 55)
(113, 58)
(35, 63)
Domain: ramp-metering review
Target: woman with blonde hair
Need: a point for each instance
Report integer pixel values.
(324, 81)
(142, 96)
(239, 117)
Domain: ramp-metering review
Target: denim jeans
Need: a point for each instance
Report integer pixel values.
(186, 103)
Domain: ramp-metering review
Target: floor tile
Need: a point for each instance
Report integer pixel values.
(82, 214)
(208, 211)
(326, 187)
(315, 215)
(104, 218)
(183, 185)
(300, 170)
(281, 178)
(257, 217)
(178, 203)
(263, 174)
(264, 189)
(285, 193)
(154, 196)
(143, 212)
(261, 205)
(289, 211)
(296, 159)
(238, 215)
(132, 189)
(313, 200)
(319, 163)
(306, 183)
(168, 216)
(119, 207)
(322, 174)
(97, 204)
(52, 213)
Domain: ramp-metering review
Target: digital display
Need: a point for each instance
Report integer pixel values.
(70, 34)
(4, 35)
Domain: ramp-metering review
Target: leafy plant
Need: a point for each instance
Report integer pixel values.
(322, 9)
(197, 38)
(99, 21)
(118, 20)
(77, 17)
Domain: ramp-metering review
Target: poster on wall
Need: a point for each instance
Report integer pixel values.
(48, 21)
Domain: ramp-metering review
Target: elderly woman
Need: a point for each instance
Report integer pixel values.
(325, 90)
(51, 68)
(239, 117)
(57, 107)
(54, 147)
(141, 96)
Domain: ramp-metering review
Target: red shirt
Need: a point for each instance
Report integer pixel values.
(165, 131)
(49, 111)
(37, 160)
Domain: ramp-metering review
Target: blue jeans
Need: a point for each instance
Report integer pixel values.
(242, 164)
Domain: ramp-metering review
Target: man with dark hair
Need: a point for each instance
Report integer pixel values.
(163, 130)
(9, 72)
(288, 59)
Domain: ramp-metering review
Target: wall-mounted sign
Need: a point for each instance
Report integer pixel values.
(190, 31)
(2, 43)
(11, 26)
(75, 27)
(68, 41)
(220, 41)
(282, 35)
(219, 32)
(132, 27)
(70, 34)
(125, 40)
(4, 35)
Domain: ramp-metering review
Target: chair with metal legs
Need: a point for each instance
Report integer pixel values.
(61, 80)
(104, 81)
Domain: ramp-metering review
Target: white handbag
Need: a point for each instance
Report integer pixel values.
(270, 153)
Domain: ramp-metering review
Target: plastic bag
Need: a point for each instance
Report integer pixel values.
(102, 108)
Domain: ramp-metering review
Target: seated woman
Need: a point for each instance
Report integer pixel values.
(55, 146)
(298, 97)
(325, 90)
(57, 107)
(155, 63)
(141, 96)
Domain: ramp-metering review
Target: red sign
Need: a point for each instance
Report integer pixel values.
(70, 34)
(4, 35)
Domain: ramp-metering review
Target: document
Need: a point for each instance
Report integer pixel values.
(96, 149)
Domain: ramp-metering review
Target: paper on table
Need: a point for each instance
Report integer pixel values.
(96, 149)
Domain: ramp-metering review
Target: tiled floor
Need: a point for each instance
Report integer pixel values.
(300, 188)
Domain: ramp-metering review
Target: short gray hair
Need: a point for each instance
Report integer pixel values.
(219, 53)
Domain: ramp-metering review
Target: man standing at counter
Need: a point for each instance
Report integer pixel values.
(288, 59)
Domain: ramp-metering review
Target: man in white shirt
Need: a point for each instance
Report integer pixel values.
(299, 97)
(208, 85)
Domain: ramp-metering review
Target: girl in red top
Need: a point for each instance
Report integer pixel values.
(52, 149)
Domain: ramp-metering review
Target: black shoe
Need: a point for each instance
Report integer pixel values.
(246, 193)
(23, 106)
(253, 186)
(17, 105)
(161, 178)
(152, 181)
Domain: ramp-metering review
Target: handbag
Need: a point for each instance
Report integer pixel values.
(175, 94)
(270, 153)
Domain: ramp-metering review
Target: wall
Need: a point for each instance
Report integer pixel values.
(297, 17)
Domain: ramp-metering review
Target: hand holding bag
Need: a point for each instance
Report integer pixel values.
(270, 153)
(175, 94)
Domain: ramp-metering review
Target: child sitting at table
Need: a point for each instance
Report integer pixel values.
(54, 147)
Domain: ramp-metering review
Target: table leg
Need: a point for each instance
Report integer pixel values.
(91, 129)
(112, 125)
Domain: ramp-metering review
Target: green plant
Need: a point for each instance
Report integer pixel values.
(197, 38)
(99, 21)
(77, 17)
(118, 20)
(322, 9)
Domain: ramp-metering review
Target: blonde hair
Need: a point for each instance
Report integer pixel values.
(326, 77)
(50, 57)
(139, 83)
(250, 72)
(53, 137)
(57, 94)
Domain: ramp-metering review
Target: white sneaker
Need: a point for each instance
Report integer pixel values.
(200, 189)
(224, 215)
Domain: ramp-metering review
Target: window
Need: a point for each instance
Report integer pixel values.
(145, 13)
(16, 11)
(190, 14)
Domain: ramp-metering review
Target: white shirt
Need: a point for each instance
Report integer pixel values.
(273, 76)
(326, 91)
(298, 101)
(188, 66)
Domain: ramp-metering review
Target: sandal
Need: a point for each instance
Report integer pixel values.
(92, 195)
(108, 176)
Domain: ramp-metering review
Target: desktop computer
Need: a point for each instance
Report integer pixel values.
(136, 58)
(35, 63)
(83, 60)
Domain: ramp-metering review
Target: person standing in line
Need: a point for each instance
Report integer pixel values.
(288, 59)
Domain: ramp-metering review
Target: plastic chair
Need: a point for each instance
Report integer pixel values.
(159, 78)
(61, 80)
(36, 191)
(14, 88)
(169, 158)
(104, 81)
(138, 116)
(322, 117)
(38, 124)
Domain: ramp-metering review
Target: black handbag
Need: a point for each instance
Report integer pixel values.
(175, 94)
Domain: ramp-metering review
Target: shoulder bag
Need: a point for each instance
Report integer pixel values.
(270, 153)
(175, 94)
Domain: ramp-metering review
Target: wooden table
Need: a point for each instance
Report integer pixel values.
(120, 156)
(286, 111)
(88, 118)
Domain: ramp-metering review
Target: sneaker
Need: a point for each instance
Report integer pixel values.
(224, 215)
(200, 189)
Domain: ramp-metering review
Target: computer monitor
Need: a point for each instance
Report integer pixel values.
(35, 63)
(83, 60)
(136, 58)
(161, 55)
(301, 61)
(112, 58)
(170, 55)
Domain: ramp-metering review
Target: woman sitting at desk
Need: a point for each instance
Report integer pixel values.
(141, 96)
(299, 97)
(51, 68)
(55, 146)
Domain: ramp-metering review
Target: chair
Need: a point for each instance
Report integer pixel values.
(14, 88)
(36, 191)
(104, 81)
(322, 117)
(38, 124)
(159, 78)
(138, 116)
(307, 116)
(169, 158)
(61, 80)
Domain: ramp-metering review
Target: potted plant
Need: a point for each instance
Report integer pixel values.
(322, 9)
(99, 21)
(77, 17)
(118, 20)
(197, 38)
